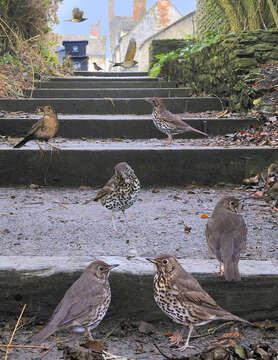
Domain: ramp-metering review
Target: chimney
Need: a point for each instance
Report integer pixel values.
(111, 10)
(139, 9)
(95, 30)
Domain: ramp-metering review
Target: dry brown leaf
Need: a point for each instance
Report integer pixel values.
(187, 228)
(155, 191)
(204, 216)
(34, 186)
(93, 345)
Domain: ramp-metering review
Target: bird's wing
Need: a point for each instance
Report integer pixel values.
(226, 235)
(35, 127)
(77, 14)
(175, 121)
(107, 189)
(80, 299)
(131, 50)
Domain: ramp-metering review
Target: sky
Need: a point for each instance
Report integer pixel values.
(98, 10)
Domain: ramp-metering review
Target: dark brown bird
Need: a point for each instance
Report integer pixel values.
(97, 67)
(84, 304)
(44, 129)
(129, 61)
(77, 16)
(121, 190)
(180, 296)
(226, 234)
(167, 122)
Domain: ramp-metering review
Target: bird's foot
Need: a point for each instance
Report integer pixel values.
(221, 269)
(54, 148)
(186, 346)
(175, 339)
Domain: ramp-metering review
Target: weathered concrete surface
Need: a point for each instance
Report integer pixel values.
(60, 222)
(40, 282)
(90, 163)
(73, 84)
(120, 126)
(109, 93)
(111, 73)
(111, 106)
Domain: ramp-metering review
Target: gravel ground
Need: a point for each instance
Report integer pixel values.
(127, 340)
(52, 221)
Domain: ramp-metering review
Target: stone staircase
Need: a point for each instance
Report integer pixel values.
(105, 119)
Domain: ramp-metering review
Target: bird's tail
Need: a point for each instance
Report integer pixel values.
(43, 335)
(24, 141)
(231, 272)
(198, 131)
(117, 64)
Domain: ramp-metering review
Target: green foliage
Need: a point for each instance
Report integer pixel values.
(192, 47)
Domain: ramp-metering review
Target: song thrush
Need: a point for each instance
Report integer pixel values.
(121, 190)
(44, 129)
(77, 16)
(167, 122)
(180, 296)
(84, 304)
(129, 61)
(226, 234)
(97, 67)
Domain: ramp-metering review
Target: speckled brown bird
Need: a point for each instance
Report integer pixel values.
(84, 304)
(180, 296)
(121, 190)
(129, 61)
(97, 67)
(167, 122)
(226, 235)
(44, 129)
(77, 16)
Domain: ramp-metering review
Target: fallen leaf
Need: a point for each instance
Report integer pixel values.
(187, 228)
(93, 345)
(34, 186)
(259, 194)
(168, 334)
(204, 216)
(155, 191)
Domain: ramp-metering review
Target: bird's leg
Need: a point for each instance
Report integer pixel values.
(54, 148)
(179, 338)
(90, 337)
(170, 140)
(221, 269)
(126, 222)
(113, 221)
(41, 149)
(186, 345)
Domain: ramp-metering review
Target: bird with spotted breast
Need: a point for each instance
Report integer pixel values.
(129, 61)
(167, 122)
(84, 304)
(226, 235)
(44, 129)
(180, 296)
(77, 16)
(121, 190)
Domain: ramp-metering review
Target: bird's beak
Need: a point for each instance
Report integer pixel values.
(151, 260)
(113, 266)
(148, 100)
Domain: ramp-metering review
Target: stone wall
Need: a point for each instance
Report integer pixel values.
(229, 68)
(178, 30)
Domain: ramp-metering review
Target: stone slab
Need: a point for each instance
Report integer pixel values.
(40, 282)
(121, 126)
(73, 84)
(111, 73)
(108, 93)
(84, 163)
(111, 106)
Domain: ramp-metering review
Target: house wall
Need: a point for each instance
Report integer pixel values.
(178, 30)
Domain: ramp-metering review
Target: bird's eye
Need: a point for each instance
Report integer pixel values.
(232, 203)
(165, 261)
(101, 268)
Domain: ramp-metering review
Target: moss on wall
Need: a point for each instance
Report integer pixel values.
(229, 68)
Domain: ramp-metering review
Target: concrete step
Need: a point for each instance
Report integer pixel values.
(121, 126)
(91, 84)
(90, 163)
(110, 73)
(111, 106)
(40, 282)
(108, 93)
(108, 79)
